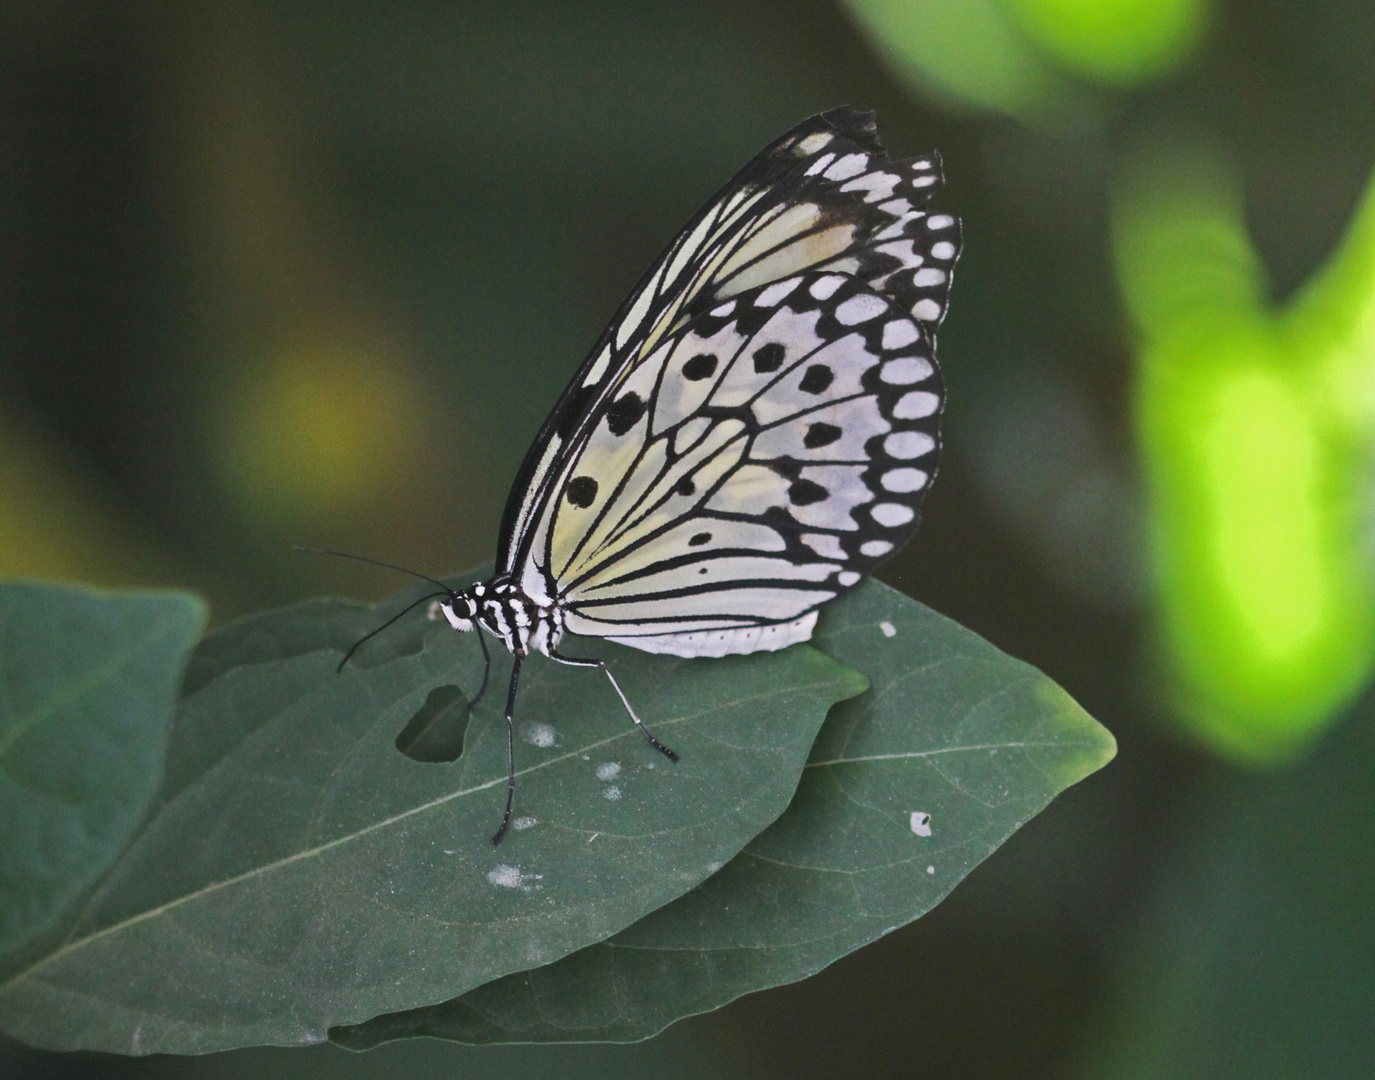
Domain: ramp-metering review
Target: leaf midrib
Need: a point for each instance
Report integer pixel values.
(1021, 745)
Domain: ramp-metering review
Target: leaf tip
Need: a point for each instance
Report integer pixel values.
(1084, 744)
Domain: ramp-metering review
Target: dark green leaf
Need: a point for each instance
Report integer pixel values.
(304, 873)
(88, 682)
(953, 736)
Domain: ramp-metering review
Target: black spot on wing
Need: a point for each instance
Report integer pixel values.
(821, 434)
(700, 367)
(582, 490)
(769, 358)
(805, 492)
(816, 379)
(625, 413)
(698, 539)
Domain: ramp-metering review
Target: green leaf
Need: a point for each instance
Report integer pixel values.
(953, 736)
(303, 873)
(88, 682)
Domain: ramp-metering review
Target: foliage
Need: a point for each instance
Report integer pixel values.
(88, 682)
(909, 787)
(1033, 59)
(1256, 455)
(300, 873)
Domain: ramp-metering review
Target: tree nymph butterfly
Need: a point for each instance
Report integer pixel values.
(753, 432)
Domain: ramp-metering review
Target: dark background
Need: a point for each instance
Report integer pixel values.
(314, 273)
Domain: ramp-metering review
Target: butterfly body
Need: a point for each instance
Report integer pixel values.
(754, 431)
(522, 623)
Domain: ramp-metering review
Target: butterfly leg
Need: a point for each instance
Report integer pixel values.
(573, 661)
(486, 670)
(510, 751)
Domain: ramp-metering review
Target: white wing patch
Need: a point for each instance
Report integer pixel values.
(741, 639)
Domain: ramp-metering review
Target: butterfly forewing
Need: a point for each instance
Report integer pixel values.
(822, 196)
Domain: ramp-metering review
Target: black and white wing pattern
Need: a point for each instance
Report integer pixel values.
(756, 428)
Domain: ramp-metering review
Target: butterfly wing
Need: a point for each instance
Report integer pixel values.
(772, 452)
(824, 195)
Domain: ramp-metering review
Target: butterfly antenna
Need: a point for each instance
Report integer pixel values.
(373, 633)
(374, 562)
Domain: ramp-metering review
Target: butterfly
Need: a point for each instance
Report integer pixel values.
(751, 435)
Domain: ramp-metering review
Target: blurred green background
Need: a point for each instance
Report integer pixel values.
(314, 273)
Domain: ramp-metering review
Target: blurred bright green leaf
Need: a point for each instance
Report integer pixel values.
(910, 786)
(969, 52)
(1118, 42)
(1255, 953)
(1254, 472)
(88, 683)
(302, 873)
(1332, 320)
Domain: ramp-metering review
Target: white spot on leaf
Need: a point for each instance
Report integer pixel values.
(510, 877)
(608, 770)
(541, 735)
(612, 793)
(889, 630)
(921, 822)
(523, 823)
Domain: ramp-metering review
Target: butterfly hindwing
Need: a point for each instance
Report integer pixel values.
(753, 466)
(824, 195)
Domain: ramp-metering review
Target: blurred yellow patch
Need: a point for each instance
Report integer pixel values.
(324, 429)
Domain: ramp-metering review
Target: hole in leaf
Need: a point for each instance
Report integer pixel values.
(435, 733)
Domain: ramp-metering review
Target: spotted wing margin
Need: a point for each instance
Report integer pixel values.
(822, 195)
(778, 450)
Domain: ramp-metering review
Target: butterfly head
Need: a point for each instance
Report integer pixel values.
(460, 609)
